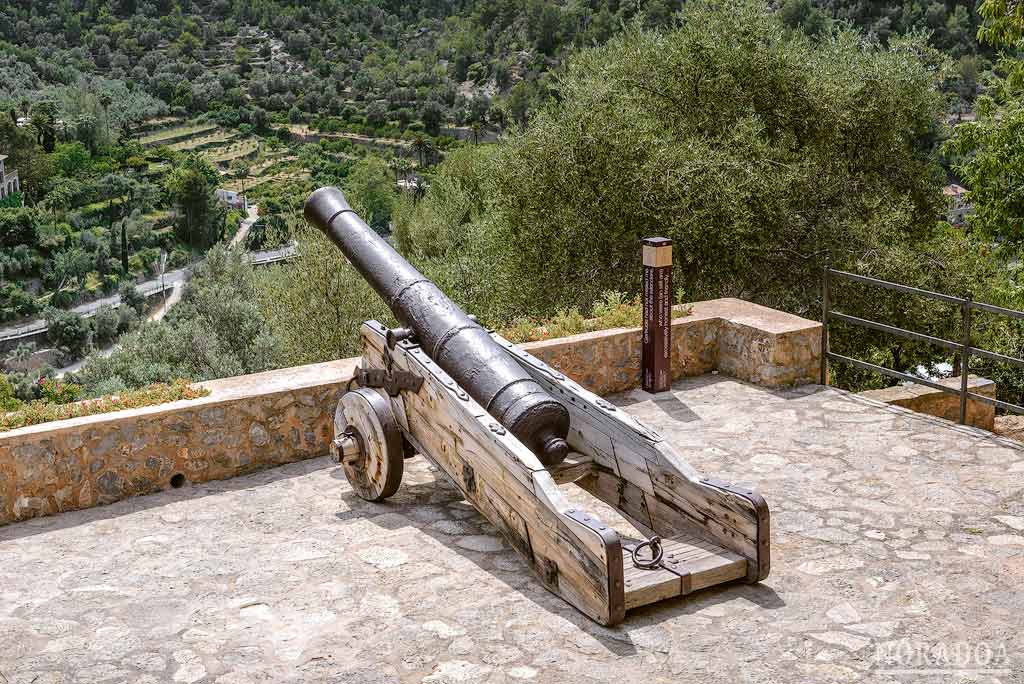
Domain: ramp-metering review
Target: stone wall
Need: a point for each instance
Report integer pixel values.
(245, 424)
(747, 341)
(943, 404)
(263, 420)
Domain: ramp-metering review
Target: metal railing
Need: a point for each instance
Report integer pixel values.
(963, 347)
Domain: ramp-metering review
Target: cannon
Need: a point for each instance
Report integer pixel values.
(512, 433)
(451, 338)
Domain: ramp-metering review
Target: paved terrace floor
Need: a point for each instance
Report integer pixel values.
(896, 538)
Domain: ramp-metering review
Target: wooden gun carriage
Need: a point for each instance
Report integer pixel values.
(705, 531)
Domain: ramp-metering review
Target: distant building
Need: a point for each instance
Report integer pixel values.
(957, 207)
(231, 198)
(8, 179)
(413, 184)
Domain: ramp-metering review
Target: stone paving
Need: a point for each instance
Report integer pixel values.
(898, 556)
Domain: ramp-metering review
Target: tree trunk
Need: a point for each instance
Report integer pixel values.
(124, 248)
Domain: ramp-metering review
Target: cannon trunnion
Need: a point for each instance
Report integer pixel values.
(687, 532)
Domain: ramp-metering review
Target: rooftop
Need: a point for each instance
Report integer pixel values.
(887, 526)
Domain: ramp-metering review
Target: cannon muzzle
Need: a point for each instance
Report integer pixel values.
(451, 338)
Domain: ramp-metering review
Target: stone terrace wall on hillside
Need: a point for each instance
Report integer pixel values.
(258, 421)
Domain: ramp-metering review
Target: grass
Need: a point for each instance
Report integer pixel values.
(100, 205)
(613, 310)
(43, 412)
(158, 215)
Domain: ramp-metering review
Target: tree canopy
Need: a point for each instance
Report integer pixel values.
(759, 151)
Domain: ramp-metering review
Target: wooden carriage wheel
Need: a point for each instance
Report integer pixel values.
(369, 443)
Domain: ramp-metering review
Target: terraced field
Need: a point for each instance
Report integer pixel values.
(210, 139)
(253, 185)
(271, 166)
(306, 134)
(223, 147)
(170, 136)
(153, 125)
(224, 155)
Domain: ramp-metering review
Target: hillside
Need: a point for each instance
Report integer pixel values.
(130, 123)
(368, 62)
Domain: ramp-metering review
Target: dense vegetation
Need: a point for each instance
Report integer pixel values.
(766, 138)
(740, 141)
(371, 62)
(95, 220)
(763, 160)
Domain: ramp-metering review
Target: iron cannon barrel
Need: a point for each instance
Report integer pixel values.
(445, 332)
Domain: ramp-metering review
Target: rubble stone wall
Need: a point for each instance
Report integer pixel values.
(943, 404)
(268, 419)
(746, 341)
(245, 424)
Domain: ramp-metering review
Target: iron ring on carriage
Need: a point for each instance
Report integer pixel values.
(657, 553)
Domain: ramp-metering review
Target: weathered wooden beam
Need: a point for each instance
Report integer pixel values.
(650, 483)
(712, 532)
(574, 555)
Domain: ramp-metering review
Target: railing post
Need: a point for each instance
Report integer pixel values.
(824, 323)
(965, 356)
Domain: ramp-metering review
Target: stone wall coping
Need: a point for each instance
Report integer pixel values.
(282, 379)
(728, 309)
(222, 391)
(912, 391)
(749, 314)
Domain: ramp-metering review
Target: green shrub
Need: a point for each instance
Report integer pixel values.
(131, 297)
(15, 302)
(110, 282)
(105, 324)
(316, 303)
(127, 319)
(8, 401)
(68, 331)
(56, 391)
(739, 139)
(65, 297)
(613, 310)
(44, 412)
(215, 331)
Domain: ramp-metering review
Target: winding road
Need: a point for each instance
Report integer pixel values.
(148, 288)
(172, 280)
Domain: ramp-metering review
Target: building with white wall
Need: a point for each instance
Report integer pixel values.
(233, 199)
(8, 179)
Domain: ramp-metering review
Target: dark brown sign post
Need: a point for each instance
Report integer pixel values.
(656, 359)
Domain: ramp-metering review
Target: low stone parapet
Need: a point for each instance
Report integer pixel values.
(744, 340)
(943, 404)
(246, 423)
(268, 419)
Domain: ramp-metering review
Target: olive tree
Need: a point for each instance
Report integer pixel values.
(761, 152)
